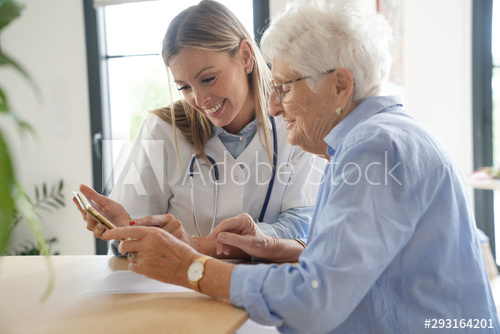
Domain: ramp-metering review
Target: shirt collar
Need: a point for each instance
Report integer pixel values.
(248, 129)
(366, 109)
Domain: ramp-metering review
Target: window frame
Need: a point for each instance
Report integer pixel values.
(482, 111)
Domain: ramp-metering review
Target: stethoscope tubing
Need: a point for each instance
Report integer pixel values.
(216, 192)
(275, 163)
(216, 177)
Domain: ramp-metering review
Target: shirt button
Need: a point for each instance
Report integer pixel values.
(241, 166)
(314, 284)
(236, 178)
(241, 138)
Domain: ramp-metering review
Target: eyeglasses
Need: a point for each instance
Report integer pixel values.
(282, 88)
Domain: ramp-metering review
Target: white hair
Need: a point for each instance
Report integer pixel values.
(315, 36)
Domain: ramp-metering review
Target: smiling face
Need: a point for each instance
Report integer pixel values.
(216, 84)
(310, 114)
(306, 112)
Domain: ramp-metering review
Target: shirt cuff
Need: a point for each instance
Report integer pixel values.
(242, 285)
(245, 292)
(113, 247)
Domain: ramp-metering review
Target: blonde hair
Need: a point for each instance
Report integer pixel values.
(211, 26)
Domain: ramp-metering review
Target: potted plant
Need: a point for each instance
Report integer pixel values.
(13, 199)
(45, 200)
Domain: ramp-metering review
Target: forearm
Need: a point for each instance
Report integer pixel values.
(284, 250)
(207, 247)
(216, 281)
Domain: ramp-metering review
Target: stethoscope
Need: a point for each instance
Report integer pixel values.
(216, 183)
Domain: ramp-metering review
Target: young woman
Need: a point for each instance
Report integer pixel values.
(219, 130)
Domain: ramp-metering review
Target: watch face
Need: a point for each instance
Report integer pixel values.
(195, 271)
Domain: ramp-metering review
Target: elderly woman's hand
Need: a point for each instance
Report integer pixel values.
(157, 253)
(113, 208)
(170, 224)
(242, 232)
(201, 244)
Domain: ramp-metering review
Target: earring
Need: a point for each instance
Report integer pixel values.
(338, 111)
(248, 70)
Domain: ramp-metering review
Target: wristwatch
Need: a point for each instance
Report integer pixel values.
(195, 271)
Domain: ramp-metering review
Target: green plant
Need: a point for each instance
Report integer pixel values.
(31, 248)
(46, 201)
(13, 198)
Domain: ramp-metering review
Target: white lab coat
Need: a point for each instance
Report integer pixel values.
(155, 181)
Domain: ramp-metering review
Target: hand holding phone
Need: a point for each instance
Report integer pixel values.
(99, 214)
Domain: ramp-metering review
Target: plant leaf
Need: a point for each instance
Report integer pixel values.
(5, 109)
(52, 240)
(27, 210)
(9, 10)
(8, 61)
(13, 199)
(44, 189)
(59, 201)
(55, 206)
(7, 210)
(21, 124)
(4, 104)
(44, 207)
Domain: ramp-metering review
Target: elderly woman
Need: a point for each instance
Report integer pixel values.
(392, 246)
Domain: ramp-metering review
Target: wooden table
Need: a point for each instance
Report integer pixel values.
(23, 280)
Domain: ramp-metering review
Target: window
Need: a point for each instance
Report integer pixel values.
(136, 74)
(486, 120)
(495, 89)
(495, 81)
(127, 77)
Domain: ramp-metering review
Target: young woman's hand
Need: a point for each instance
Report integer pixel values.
(113, 208)
(170, 224)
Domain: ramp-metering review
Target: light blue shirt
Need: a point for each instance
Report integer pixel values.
(392, 244)
(291, 223)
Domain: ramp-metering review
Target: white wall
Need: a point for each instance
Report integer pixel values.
(437, 67)
(49, 41)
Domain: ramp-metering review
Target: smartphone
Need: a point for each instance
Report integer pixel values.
(99, 214)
